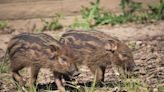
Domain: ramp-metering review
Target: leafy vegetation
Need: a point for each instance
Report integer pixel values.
(92, 16)
(80, 24)
(157, 10)
(131, 12)
(88, 16)
(3, 24)
(54, 24)
(4, 66)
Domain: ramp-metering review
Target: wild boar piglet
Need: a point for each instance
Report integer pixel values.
(97, 50)
(39, 50)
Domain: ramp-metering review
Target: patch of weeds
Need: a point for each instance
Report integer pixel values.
(93, 87)
(160, 88)
(54, 24)
(97, 16)
(88, 16)
(20, 88)
(131, 12)
(132, 84)
(83, 24)
(33, 88)
(128, 6)
(4, 66)
(92, 12)
(133, 45)
(157, 10)
(160, 85)
(3, 24)
(109, 18)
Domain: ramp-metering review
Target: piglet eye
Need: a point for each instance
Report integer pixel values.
(64, 59)
(124, 54)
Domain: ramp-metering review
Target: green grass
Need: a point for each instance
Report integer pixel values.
(93, 16)
(88, 16)
(128, 84)
(3, 24)
(93, 87)
(33, 89)
(161, 88)
(134, 85)
(131, 12)
(80, 24)
(4, 66)
(157, 10)
(25, 89)
(54, 24)
(133, 45)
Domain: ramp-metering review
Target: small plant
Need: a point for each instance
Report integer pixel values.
(92, 12)
(20, 88)
(96, 16)
(129, 6)
(3, 24)
(133, 45)
(33, 88)
(88, 15)
(54, 24)
(110, 18)
(92, 89)
(4, 67)
(160, 88)
(134, 86)
(131, 84)
(83, 24)
(157, 10)
(131, 12)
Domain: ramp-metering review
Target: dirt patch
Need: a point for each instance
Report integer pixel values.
(149, 59)
(27, 9)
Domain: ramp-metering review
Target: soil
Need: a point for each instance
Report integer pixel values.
(25, 9)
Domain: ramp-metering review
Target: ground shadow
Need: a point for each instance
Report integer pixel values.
(76, 87)
(100, 84)
(52, 87)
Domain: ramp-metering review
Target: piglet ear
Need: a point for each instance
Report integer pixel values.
(111, 46)
(54, 47)
(55, 50)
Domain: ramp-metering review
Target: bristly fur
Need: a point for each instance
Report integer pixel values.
(97, 50)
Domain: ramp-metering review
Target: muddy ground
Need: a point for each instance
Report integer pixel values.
(146, 40)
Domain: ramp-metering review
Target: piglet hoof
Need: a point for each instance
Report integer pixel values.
(24, 89)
